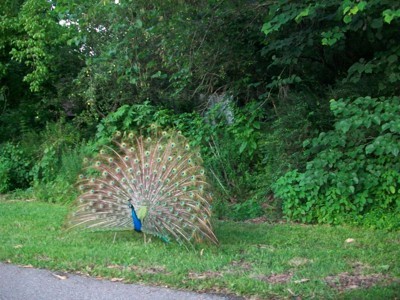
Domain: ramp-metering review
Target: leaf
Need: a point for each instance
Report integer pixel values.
(352, 189)
(61, 277)
(302, 14)
(347, 19)
(392, 58)
(376, 23)
(392, 189)
(370, 148)
(139, 23)
(344, 126)
(243, 147)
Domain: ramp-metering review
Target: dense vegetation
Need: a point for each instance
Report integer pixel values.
(294, 104)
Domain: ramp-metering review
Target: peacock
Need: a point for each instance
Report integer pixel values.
(155, 184)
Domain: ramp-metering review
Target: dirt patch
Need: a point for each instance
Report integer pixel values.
(204, 275)
(298, 261)
(141, 270)
(242, 265)
(355, 279)
(275, 278)
(258, 220)
(346, 281)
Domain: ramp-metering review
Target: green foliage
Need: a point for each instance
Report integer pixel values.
(135, 66)
(56, 140)
(39, 37)
(14, 168)
(137, 117)
(62, 188)
(352, 169)
(306, 39)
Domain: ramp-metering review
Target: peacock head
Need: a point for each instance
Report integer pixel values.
(130, 205)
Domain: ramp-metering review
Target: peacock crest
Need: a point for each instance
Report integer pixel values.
(157, 184)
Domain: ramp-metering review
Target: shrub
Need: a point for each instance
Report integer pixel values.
(15, 165)
(352, 169)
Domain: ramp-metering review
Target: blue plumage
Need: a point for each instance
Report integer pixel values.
(137, 224)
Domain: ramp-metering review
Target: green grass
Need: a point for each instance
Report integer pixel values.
(32, 233)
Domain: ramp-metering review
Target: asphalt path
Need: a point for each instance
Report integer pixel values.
(17, 283)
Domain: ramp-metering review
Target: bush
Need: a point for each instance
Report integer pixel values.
(352, 169)
(15, 165)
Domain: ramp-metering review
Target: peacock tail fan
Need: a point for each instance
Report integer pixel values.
(160, 177)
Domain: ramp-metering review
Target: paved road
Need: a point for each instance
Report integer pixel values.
(18, 283)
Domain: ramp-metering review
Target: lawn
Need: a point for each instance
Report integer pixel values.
(273, 261)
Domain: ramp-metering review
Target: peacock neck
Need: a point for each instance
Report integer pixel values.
(137, 224)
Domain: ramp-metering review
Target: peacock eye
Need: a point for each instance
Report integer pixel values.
(123, 145)
(110, 159)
